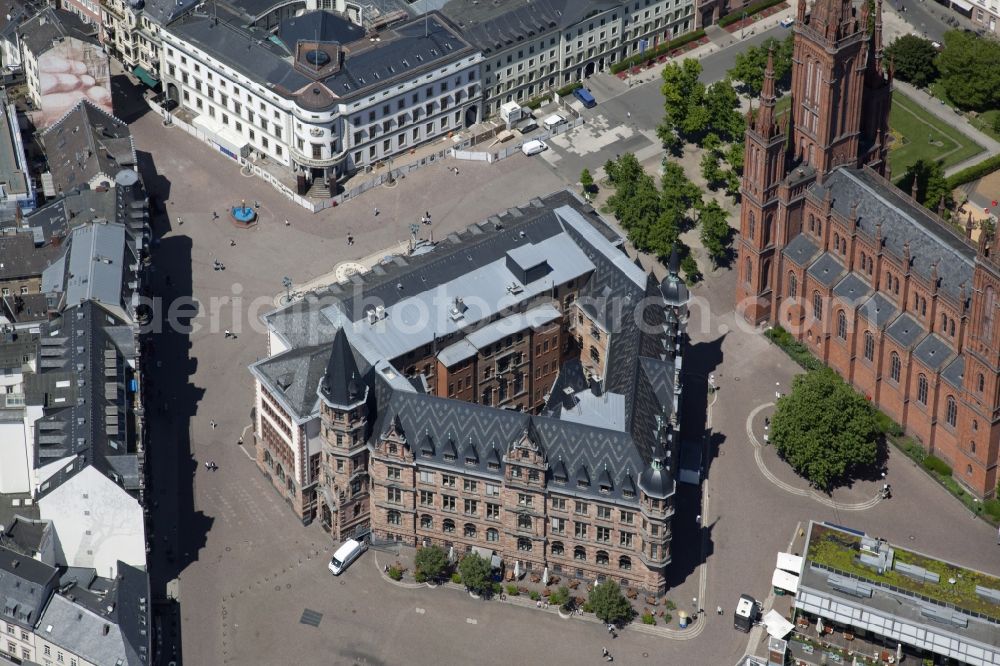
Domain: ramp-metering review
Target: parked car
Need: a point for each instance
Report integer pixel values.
(585, 97)
(787, 22)
(349, 551)
(553, 121)
(533, 147)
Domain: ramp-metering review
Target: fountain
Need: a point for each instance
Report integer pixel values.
(243, 214)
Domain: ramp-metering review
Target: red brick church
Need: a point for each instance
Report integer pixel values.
(897, 300)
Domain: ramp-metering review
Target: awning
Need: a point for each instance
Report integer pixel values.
(145, 77)
(777, 626)
(782, 580)
(790, 563)
(962, 4)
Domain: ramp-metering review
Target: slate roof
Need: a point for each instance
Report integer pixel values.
(954, 374)
(800, 250)
(405, 51)
(296, 374)
(82, 386)
(19, 258)
(341, 382)
(905, 330)
(85, 143)
(852, 288)
(879, 310)
(933, 352)
(42, 31)
(903, 220)
(24, 587)
(826, 270)
(493, 26)
(25, 535)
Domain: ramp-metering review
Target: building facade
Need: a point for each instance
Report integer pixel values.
(984, 13)
(503, 423)
(317, 95)
(534, 48)
(890, 295)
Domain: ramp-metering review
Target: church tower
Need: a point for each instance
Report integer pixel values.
(763, 171)
(828, 82)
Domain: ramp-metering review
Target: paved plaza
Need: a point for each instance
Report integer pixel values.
(247, 572)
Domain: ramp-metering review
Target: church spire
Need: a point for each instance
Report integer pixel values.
(765, 116)
(877, 47)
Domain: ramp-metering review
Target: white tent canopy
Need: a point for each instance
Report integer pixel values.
(783, 580)
(777, 626)
(789, 562)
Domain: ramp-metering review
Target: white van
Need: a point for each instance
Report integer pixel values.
(347, 553)
(553, 121)
(533, 147)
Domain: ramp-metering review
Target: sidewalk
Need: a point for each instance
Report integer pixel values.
(948, 114)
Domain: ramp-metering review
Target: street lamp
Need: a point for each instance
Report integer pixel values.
(287, 283)
(743, 24)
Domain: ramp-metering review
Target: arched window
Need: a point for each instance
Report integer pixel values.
(524, 544)
(972, 445)
(843, 246)
(448, 526)
(944, 322)
(579, 553)
(751, 225)
(841, 325)
(951, 417)
(280, 472)
(793, 285)
(290, 484)
(923, 306)
(558, 548)
(426, 522)
(922, 390)
(968, 470)
(951, 327)
(819, 227)
(469, 530)
(492, 534)
(989, 304)
(894, 367)
(602, 558)
(768, 226)
(625, 563)
(267, 458)
(394, 518)
(524, 522)
(747, 270)
(895, 286)
(817, 306)
(836, 242)
(812, 223)
(981, 383)
(869, 346)
(765, 275)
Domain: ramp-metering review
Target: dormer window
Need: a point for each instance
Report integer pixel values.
(494, 467)
(628, 494)
(469, 460)
(449, 457)
(583, 483)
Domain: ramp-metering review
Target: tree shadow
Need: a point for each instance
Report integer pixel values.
(177, 530)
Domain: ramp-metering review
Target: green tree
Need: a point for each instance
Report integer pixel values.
(734, 157)
(476, 573)
(586, 181)
(711, 171)
(914, 58)
(609, 604)
(749, 66)
(714, 231)
(931, 183)
(721, 107)
(824, 429)
(678, 191)
(430, 562)
(689, 266)
(683, 95)
(560, 597)
(969, 72)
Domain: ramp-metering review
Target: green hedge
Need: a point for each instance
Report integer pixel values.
(974, 172)
(567, 90)
(661, 49)
(935, 464)
(798, 351)
(749, 10)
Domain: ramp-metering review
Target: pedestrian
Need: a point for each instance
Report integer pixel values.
(232, 243)
(628, 114)
(212, 466)
(718, 610)
(215, 215)
(208, 465)
(427, 214)
(180, 220)
(604, 652)
(287, 223)
(212, 423)
(376, 211)
(456, 171)
(697, 519)
(239, 442)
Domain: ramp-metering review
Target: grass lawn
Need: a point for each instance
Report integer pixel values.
(919, 135)
(986, 121)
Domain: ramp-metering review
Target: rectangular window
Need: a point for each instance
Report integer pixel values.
(627, 517)
(448, 481)
(447, 502)
(625, 539)
(394, 495)
(580, 530)
(426, 498)
(492, 490)
(393, 473)
(603, 534)
(604, 512)
(523, 500)
(580, 507)
(558, 525)
(558, 503)
(471, 507)
(492, 511)
(469, 486)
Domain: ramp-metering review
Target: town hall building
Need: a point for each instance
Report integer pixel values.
(896, 299)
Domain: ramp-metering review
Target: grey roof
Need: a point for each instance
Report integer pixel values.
(852, 288)
(933, 352)
(85, 143)
(879, 310)
(98, 267)
(82, 386)
(13, 13)
(903, 221)
(341, 382)
(163, 12)
(954, 374)
(321, 26)
(50, 26)
(492, 26)
(801, 250)
(25, 535)
(104, 623)
(294, 376)
(404, 51)
(498, 330)
(905, 330)
(606, 410)
(25, 584)
(25, 308)
(13, 170)
(19, 258)
(826, 270)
